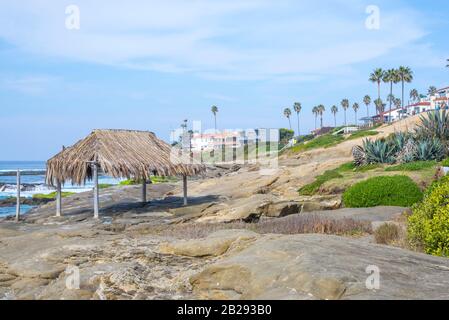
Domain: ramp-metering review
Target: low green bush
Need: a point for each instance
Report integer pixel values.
(363, 133)
(312, 188)
(51, 196)
(445, 162)
(383, 191)
(428, 225)
(104, 185)
(324, 141)
(412, 166)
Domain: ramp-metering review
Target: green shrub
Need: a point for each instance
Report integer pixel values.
(428, 226)
(324, 141)
(51, 196)
(383, 191)
(128, 182)
(363, 133)
(104, 185)
(412, 166)
(445, 162)
(312, 188)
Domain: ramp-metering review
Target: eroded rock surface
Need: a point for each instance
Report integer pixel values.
(321, 267)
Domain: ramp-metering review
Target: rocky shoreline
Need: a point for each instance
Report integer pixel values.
(11, 201)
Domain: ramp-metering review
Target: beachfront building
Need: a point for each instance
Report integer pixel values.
(228, 139)
(439, 101)
(126, 154)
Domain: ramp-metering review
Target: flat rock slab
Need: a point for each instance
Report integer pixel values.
(215, 245)
(322, 267)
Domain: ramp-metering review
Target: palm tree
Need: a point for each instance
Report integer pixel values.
(214, 110)
(380, 106)
(356, 107)
(376, 77)
(414, 95)
(391, 76)
(288, 113)
(321, 110)
(334, 111)
(297, 107)
(432, 91)
(345, 105)
(315, 112)
(405, 75)
(391, 98)
(397, 102)
(367, 102)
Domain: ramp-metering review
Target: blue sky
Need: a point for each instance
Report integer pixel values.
(150, 64)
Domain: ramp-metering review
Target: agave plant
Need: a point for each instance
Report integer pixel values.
(435, 125)
(407, 153)
(430, 149)
(399, 140)
(359, 156)
(379, 151)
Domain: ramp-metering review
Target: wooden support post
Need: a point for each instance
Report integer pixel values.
(58, 198)
(234, 149)
(184, 182)
(96, 191)
(144, 191)
(18, 197)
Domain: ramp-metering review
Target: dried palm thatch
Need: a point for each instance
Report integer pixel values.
(120, 154)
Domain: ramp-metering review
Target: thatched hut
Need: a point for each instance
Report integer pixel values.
(120, 154)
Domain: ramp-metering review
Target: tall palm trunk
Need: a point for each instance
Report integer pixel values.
(315, 120)
(289, 123)
(402, 102)
(378, 90)
(335, 120)
(215, 118)
(391, 98)
(356, 122)
(321, 121)
(345, 118)
(297, 115)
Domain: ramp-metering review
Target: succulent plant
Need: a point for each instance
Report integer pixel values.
(359, 156)
(379, 151)
(434, 125)
(430, 149)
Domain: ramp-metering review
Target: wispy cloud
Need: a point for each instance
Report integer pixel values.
(245, 40)
(31, 85)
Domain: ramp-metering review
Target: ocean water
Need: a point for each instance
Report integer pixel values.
(33, 182)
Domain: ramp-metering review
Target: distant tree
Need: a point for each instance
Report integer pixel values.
(376, 77)
(414, 95)
(285, 135)
(334, 111)
(297, 107)
(391, 76)
(315, 112)
(432, 91)
(321, 110)
(345, 105)
(397, 102)
(214, 110)
(287, 114)
(356, 107)
(367, 102)
(406, 76)
(380, 107)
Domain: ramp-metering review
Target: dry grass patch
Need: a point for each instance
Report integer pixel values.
(294, 224)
